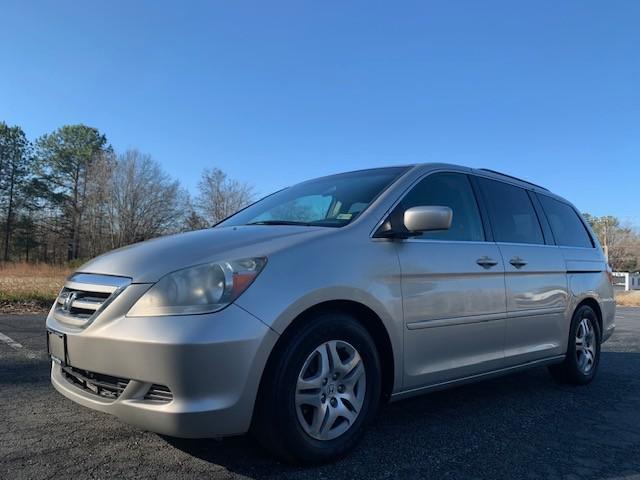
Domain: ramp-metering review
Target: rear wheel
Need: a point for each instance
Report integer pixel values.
(320, 392)
(583, 351)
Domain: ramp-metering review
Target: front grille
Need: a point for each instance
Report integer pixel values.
(107, 386)
(83, 304)
(85, 295)
(103, 385)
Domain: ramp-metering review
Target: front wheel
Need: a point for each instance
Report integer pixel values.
(320, 392)
(583, 351)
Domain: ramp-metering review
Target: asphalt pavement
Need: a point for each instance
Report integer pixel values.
(520, 426)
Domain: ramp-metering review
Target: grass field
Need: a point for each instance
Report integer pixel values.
(628, 299)
(27, 287)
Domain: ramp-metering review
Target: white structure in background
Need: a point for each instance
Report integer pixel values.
(626, 281)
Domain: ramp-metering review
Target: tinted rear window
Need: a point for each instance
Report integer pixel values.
(567, 228)
(513, 218)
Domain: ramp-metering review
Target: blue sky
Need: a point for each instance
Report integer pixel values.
(277, 92)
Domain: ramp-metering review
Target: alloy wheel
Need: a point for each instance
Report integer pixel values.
(585, 346)
(330, 390)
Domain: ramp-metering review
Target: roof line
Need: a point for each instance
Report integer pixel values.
(512, 177)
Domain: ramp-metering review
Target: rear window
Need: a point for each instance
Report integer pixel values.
(567, 228)
(513, 218)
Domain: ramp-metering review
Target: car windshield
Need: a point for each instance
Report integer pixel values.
(332, 201)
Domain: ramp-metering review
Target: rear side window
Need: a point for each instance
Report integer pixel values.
(567, 228)
(450, 190)
(513, 218)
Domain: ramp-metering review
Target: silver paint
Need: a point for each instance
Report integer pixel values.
(428, 218)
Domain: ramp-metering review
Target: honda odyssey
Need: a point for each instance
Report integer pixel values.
(296, 317)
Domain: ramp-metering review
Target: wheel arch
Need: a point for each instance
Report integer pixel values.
(593, 303)
(364, 315)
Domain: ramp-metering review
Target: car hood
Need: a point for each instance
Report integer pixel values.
(147, 262)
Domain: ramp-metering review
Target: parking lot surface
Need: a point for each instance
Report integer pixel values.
(520, 426)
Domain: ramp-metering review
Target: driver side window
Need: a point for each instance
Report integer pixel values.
(451, 190)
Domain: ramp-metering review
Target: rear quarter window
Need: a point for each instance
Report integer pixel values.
(568, 229)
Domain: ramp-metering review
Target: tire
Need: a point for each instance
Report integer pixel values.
(289, 427)
(577, 369)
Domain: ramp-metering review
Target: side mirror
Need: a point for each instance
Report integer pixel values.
(424, 219)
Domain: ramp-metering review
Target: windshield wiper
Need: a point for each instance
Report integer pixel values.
(280, 222)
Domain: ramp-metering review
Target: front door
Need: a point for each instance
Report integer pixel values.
(452, 287)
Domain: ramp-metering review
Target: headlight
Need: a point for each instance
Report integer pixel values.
(200, 289)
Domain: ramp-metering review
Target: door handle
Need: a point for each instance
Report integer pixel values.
(486, 262)
(517, 262)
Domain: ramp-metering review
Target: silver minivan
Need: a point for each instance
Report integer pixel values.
(298, 316)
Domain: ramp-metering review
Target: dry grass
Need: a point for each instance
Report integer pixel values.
(628, 299)
(27, 287)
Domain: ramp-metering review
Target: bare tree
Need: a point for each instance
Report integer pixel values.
(219, 196)
(97, 235)
(621, 243)
(191, 221)
(143, 202)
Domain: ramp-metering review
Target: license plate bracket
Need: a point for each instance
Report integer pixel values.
(57, 346)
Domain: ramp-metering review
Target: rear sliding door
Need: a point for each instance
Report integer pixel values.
(535, 274)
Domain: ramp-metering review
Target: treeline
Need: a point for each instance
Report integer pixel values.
(621, 243)
(68, 196)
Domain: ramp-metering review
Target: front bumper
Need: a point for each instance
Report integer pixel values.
(212, 364)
